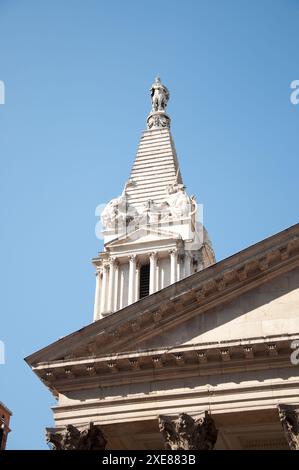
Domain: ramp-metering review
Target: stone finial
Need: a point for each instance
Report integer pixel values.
(71, 438)
(159, 96)
(185, 433)
(289, 418)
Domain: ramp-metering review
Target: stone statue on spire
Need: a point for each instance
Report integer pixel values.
(159, 96)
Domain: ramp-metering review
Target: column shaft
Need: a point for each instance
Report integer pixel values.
(132, 274)
(153, 269)
(178, 268)
(137, 284)
(187, 265)
(104, 290)
(173, 265)
(116, 287)
(96, 311)
(110, 303)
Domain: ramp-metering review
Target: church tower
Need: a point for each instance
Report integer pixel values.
(152, 233)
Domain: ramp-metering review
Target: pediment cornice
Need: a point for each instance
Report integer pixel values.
(143, 233)
(189, 360)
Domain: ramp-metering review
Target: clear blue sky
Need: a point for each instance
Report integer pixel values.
(77, 78)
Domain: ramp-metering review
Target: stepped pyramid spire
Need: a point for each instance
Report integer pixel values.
(152, 237)
(156, 166)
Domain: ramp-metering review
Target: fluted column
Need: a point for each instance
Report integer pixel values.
(153, 270)
(96, 311)
(104, 289)
(110, 303)
(173, 265)
(132, 274)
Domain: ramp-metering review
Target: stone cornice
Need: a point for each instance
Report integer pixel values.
(187, 360)
(228, 399)
(182, 300)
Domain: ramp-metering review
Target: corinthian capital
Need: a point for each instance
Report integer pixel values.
(99, 271)
(71, 438)
(186, 433)
(289, 418)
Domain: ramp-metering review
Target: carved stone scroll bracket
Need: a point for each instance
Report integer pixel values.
(71, 438)
(289, 418)
(186, 433)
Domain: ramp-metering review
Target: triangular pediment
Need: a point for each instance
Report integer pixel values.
(253, 294)
(268, 310)
(144, 235)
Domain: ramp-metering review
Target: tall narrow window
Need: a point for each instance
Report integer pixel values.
(144, 280)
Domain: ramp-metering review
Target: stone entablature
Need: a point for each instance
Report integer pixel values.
(198, 359)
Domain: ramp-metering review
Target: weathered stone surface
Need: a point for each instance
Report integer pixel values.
(185, 433)
(289, 418)
(71, 438)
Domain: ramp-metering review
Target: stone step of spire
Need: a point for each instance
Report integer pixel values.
(154, 169)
